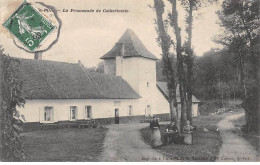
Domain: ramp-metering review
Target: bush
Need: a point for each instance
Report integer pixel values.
(210, 106)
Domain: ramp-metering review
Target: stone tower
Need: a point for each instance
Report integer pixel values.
(135, 64)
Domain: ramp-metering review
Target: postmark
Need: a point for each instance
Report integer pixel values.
(29, 26)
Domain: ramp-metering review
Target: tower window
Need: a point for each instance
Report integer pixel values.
(130, 108)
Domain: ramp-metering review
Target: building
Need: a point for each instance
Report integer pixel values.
(126, 92)
(162, 86)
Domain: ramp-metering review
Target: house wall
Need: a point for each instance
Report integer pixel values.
(139, 71)
(119, 65)
(100, 108)
(162, 110)
(195, 108)
(162, 105)
(130, 72)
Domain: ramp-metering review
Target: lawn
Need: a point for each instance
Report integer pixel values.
(206, 144)
(68, 144)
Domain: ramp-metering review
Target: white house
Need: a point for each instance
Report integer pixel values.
(127, 91)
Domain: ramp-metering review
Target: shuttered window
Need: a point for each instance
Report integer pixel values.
(48, 114)
(88, 112)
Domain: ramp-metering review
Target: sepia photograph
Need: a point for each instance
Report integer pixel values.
(129, 80)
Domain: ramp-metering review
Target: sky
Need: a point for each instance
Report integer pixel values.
(88, 36)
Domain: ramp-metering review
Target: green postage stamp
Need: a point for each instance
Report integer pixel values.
(29, 26)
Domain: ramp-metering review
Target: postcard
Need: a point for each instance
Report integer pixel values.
(129, 80)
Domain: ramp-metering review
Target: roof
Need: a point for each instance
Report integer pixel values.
(133, 47)
(58, 80)
(112, 86)
(162, 86)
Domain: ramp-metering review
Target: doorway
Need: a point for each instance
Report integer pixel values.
(148, 111)
(116, 116)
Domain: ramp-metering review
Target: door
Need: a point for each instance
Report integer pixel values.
(148, 111)
(116, 116)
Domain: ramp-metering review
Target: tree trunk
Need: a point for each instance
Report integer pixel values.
(165, 46)
(190, 63)
(242, 74)
(177, 31)
(174, 116)
(222, 98)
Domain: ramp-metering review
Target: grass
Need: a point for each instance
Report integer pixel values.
(205, 146)
(252, 138)
(66, 144)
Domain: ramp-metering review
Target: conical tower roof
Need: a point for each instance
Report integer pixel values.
(132, 47)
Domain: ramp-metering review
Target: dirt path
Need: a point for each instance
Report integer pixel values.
(123, 143)
(234, 148)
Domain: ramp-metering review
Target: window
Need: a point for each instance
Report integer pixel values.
(130, 108)
(48, 114)
(73, 113)
(88, 112)
(148, 84)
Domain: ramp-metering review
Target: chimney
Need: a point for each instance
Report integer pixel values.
(122, 50)
(79, 62)
(121, 47)
(38, 55)
(120, 60)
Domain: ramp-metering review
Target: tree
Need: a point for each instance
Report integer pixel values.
(185, 83)
(11, 147)
(233, 88)
(240, 19)
(180, 66)
(190, 6)
(222, 89)
(214, 67)
(165, 44)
